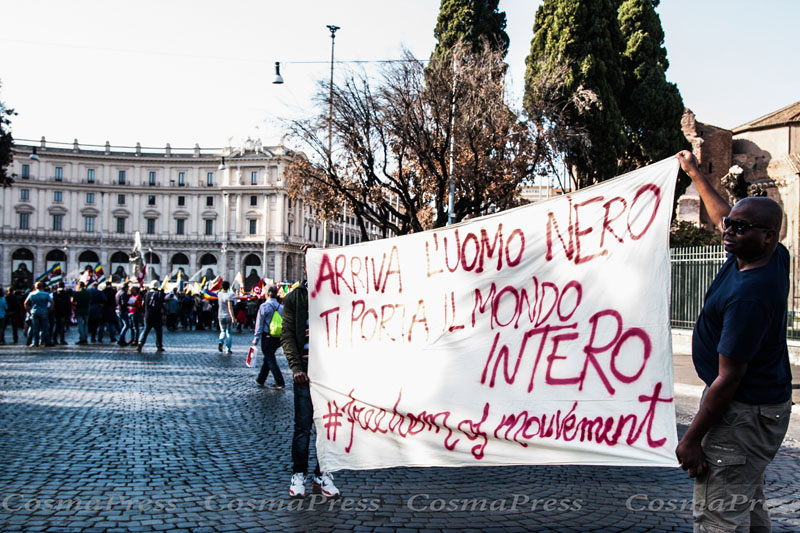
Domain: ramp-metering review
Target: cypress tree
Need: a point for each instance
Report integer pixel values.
(583, 36)
(651, 106)
(473, 21)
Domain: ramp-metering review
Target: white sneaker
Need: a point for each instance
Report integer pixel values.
(324, 485)
(298, 487)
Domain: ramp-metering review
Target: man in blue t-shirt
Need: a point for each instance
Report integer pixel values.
(739, 351)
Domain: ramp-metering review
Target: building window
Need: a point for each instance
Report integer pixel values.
(26, 172)
(179, 228)
(290, 202)
(254, 178)
(89, 197)
(181, 179)
(253, 227)
(57, 222)
(210, 179)
(121, 199)
(290, 227)
(24, 220)
(709, 167)
(151, 199)
(254, 200)
(152, 181)
(24, 194)
(151, 226)
(57, 196)
(209, 227)
(59, 173)
(90, 175)
(181, 200)
(122, 177)
(209, 201)
(88, 224)
(121, 224)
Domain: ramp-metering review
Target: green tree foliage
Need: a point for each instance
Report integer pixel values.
(473, 22)
(584, 36)
(651, 106)
(628, 114)
(6, 141)
(683, 234)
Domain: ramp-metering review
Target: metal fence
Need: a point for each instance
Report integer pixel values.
(693, 270)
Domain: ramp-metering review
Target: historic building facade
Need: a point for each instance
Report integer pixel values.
(759, 157)
(200, 212)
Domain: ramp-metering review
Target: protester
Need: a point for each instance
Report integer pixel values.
(96, 302)
(240, 310)
(172, 305)
(3, 309)
(294, 340)
(225, 315)
(268, 343)
(187, 312)
(135, 313)
(62, 311)
(739, 350)
(38, 303)
(153, 316)
(121, 300)
(81, 299)
(12, 312)
(110, 322)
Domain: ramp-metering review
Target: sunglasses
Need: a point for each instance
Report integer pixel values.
(739, 226)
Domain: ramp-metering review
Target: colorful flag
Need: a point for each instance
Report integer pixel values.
(55, 275)
(98, 274)
(48, 274)
(209, 295)
(239, 279)
(215, 285)
(166, 281)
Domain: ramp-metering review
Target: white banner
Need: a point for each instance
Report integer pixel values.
(539, 335)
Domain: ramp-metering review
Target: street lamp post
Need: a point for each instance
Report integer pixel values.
(333, 30)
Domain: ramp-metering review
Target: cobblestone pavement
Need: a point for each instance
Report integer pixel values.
(185, 441)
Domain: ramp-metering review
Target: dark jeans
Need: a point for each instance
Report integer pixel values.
(303, 421)
(59, 329)
(125, 319)
(108, 325)
(11, 320)
(40, 330)
(155, 325)
(268, 346)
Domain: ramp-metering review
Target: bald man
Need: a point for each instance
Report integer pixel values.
(739, 351)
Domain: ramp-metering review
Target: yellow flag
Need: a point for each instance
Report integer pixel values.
(166, 280)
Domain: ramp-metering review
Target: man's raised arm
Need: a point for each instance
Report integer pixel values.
(716, 206)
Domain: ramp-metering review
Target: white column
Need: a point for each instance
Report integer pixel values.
(278, 266)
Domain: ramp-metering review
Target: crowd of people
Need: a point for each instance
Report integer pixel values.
(102, 313)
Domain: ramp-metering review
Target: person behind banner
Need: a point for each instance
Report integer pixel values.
(269, 343)
(294, 340)
(739, 350)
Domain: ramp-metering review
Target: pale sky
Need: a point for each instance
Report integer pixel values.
(196, 71)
